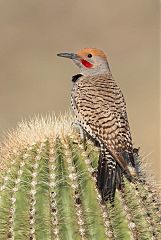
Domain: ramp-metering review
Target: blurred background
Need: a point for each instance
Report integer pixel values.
(33, 80)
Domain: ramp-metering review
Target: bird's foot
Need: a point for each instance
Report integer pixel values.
(83, 139)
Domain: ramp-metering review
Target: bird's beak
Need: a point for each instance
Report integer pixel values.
(69, 55)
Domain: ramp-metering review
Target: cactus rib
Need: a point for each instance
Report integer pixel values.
(68, 226)
(52, 183)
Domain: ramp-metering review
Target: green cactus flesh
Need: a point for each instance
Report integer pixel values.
(48, 190)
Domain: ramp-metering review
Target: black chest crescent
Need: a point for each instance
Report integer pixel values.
(76, 77)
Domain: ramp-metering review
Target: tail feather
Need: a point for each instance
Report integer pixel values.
(110, 173)
(106, 176)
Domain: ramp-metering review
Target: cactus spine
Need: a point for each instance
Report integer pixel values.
(48, 190)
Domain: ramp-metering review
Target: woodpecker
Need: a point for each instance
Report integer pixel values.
(100, 110)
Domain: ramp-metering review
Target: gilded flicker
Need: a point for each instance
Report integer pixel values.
(100, 111)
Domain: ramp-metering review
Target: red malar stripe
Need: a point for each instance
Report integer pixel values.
(86, 63)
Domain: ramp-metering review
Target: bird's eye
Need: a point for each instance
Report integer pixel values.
(89, 55)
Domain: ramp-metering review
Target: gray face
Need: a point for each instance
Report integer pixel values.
(99, 64)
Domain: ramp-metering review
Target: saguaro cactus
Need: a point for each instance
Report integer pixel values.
(48, 190)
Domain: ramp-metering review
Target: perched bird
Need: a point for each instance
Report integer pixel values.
(100, 111)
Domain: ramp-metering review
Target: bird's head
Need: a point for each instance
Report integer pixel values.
(91, 61)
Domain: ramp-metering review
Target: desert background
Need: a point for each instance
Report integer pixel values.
(33, 80)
